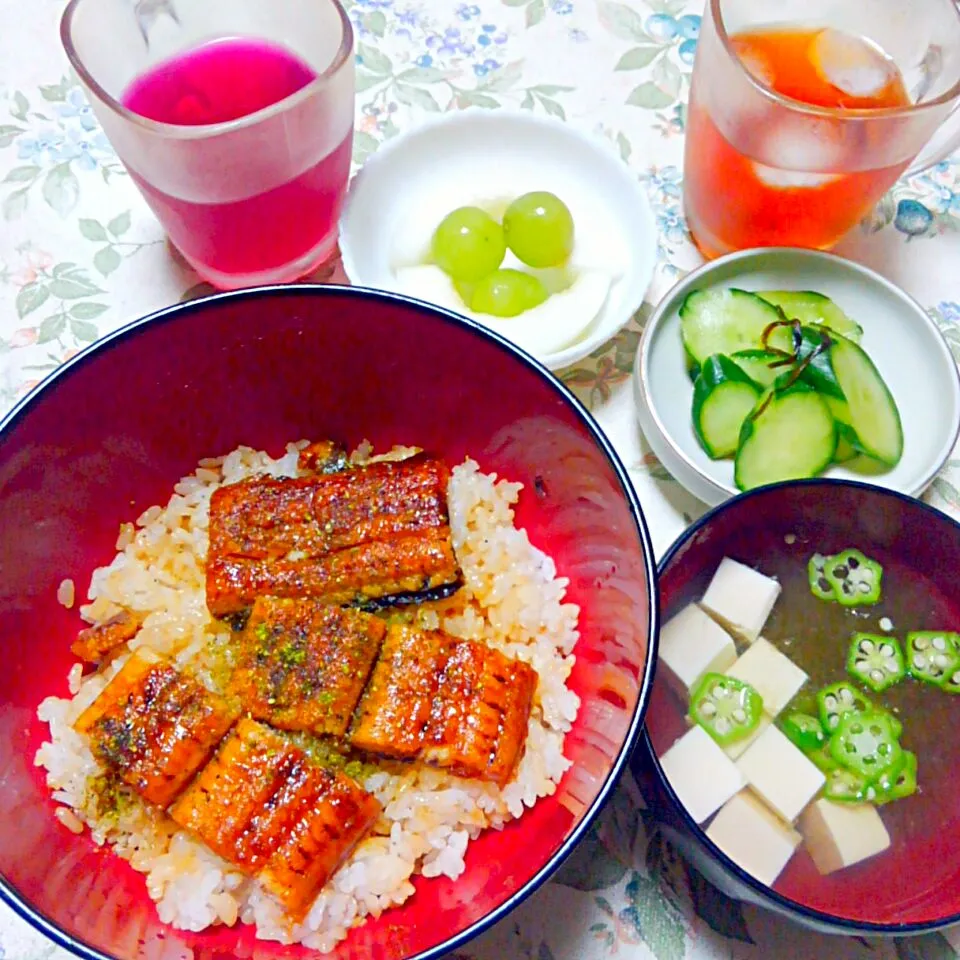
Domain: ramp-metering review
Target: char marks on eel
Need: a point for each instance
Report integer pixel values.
(262, 805)
(358, 536)
(452, 703)
(155, 727)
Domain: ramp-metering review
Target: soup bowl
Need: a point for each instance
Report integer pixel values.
(110, 433)
(913, 886)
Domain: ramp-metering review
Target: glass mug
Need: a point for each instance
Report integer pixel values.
(250, 200)
(765, 169)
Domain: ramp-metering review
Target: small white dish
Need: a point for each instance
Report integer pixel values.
(903, 342)
(489, 157)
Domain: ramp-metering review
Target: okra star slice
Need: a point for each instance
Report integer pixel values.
(837, 700)
(820, 586)
(933, 656)
(804, 731)
(899, 783)
(855, 578)
(727, 708)
(867, 744)
(876, 661)
(951, 680)
(845, 786)
(822, 759)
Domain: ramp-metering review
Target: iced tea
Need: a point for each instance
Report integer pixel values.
(757, 174)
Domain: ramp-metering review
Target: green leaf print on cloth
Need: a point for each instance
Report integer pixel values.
(716, 909)
(655, 920)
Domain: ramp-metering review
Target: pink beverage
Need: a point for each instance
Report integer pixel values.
(272, 220)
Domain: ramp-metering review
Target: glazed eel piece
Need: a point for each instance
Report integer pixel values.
(154, 727)
(392, 691)
(452, 703)
(371, 536)
(265, 807)
(98, 643)
(245, 790)
(302, 665)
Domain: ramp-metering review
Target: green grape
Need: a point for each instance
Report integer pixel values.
(468, 244)
(465, 291)
(505, 293)
(539, 229)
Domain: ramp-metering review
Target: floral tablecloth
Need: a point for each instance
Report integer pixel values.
(80, 254)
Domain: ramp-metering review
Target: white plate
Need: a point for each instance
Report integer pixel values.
(422, 175)
(899, 337)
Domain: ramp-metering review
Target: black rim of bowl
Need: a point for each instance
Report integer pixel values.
(786, 906)
(48, 927)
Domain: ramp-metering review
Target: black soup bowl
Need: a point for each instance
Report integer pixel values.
(913, 886)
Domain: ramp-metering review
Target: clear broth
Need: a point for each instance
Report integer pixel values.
(924, 828)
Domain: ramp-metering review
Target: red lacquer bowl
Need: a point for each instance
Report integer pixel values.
(111, 432)
(914, 887)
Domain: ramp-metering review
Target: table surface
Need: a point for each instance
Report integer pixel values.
(80, 254)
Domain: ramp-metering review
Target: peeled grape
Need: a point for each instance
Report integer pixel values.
(539, 229)
(506, 293)
(468, 244)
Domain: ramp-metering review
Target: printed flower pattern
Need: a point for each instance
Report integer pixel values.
(80, 254)
(57, 142)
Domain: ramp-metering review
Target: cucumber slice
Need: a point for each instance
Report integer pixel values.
(847, 438)
(874, 416)
(723, 396)
(856, 394)
(723, 321)
(841, 413)
(846, 443)
(790, 435)
(810, 307)
(756, 365)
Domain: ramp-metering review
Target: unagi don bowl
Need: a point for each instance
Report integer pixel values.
(110, 433)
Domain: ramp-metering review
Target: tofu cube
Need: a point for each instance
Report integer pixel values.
(779, 772)
(772, 674)
(839, 835)
(701, 774)
(740, 598)
(692, 644)
(738, 748)
(753, 837)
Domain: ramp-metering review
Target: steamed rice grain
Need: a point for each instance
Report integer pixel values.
(512, 600)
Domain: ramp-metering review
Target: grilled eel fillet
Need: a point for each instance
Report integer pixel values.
(155, 727)
(455, 704)
(302, 665)
(95, 644)
(369, 536)
(264, 807)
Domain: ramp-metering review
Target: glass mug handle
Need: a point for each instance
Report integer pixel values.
(944, 141)
(147, 11)
(946, 137)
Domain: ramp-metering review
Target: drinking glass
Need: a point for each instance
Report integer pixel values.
(248, 201)
(761, 169)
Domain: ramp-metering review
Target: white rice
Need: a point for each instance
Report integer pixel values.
(513, 600)
(66, 593)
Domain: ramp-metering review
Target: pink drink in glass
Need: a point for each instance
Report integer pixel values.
(235, 120)
(221, 81)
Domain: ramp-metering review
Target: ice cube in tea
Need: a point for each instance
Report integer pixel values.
(779, 175)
